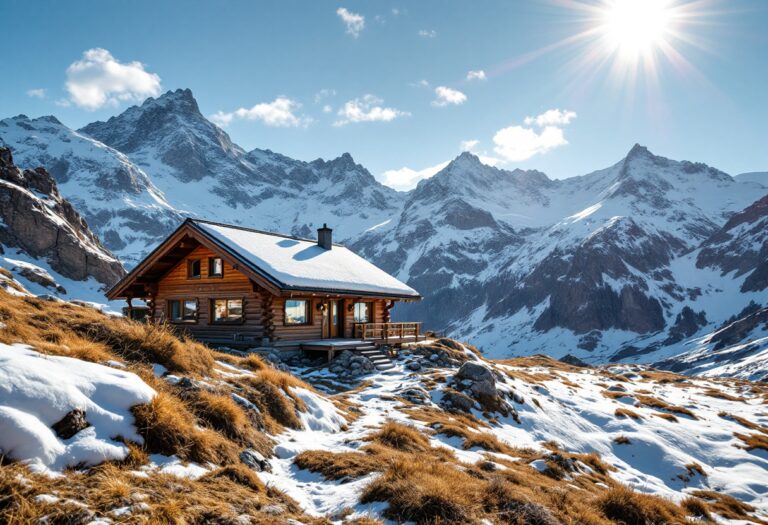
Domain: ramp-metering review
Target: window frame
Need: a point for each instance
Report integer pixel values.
(212, 275)
(370, 317)
(308, 302)
(182, 301)
(191, 262)
(212, 316)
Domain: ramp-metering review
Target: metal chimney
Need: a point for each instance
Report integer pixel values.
(325, 237)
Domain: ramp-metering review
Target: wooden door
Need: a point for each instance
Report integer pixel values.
(332, 320)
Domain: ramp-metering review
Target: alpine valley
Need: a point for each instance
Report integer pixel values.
(650, 260)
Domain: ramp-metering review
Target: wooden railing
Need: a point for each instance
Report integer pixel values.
(388, 331)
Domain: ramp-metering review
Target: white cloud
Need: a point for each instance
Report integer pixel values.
(355, 22)
(280, 113)
(63, 103)
(468, 145)
(447, 96)
(552, 117)
(421, 83)
(367, 108)
(406, 178)
(327, 108)
(36, 93)
(99, 79)
(427, 33)
(517, 143)
(476, 75)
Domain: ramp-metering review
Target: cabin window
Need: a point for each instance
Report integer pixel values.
(215, 267)
(227, 310)
(296, 311)
(193, 269)
(363, 312)
(182, 310)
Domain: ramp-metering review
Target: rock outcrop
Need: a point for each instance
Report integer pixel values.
(38, 222)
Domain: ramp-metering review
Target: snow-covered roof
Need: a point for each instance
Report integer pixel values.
(301, 264)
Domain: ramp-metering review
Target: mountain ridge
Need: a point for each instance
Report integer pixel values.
(601, 264)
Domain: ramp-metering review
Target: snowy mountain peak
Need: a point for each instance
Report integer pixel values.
(639, 151)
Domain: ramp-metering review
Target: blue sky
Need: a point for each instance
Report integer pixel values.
(390, 82)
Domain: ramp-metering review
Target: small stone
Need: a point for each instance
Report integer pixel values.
(413, 365)
(72, 423)
(254, 460)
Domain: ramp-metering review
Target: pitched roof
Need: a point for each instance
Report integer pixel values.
(279, 262)
(300, 264)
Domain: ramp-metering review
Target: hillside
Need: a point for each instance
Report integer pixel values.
(625, 264)
(445, 437)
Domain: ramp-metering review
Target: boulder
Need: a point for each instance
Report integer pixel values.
(572, 360)
(415, 395)
(475, 372)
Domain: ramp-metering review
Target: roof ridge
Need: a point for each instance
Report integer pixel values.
(256, 230)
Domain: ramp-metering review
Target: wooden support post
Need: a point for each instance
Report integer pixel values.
(129, 299)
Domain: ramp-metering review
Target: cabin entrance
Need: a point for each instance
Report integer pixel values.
(332, 325)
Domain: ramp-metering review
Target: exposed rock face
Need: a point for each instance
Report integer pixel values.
(40, 223)
(741, 245)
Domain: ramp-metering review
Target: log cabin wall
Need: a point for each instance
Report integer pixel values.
(232, 285)
(257, 323)
(314, 330)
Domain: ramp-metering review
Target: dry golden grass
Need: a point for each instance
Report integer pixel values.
(168, 427)
(486, 441)
(753, 441)
(625, 412)
(622, 440)
(277, 409)
(626, 506)
(697, 509)
(654, 402)
(222, 497)
(400, 437)
(253, 362)
(426, 492)
(714, 392)
(727, 506)
(337, 466)
(664, 415)
(744, 422)
(610, 394)
(67, 329)
(695, 468)
(222, 414)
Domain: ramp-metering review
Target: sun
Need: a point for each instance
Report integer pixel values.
(633, 28)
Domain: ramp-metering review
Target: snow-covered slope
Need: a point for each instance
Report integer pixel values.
(682, 439)
(44, 242)
(597, 265)
(117, 198)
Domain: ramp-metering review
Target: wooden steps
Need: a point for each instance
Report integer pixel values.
(377, 355)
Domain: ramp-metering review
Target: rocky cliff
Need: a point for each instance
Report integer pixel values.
(38, 224)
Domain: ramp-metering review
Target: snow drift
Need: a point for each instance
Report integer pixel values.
(38, 390)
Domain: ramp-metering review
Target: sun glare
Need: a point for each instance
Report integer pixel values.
(636, 27)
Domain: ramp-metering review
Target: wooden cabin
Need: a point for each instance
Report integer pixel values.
(239, 287)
